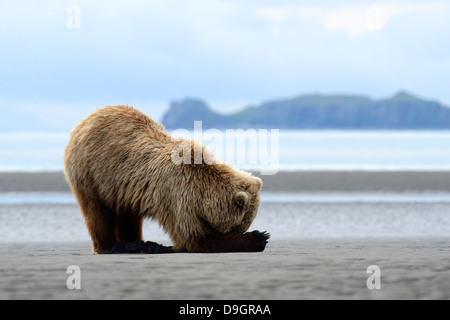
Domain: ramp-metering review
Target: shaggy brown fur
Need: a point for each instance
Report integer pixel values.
(119, 165)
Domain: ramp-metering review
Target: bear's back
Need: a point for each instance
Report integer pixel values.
(117, 129)
(118, 122)
(112, 153)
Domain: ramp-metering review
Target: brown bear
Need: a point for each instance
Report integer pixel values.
(120, 165)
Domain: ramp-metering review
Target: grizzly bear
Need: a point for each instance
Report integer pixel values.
(120, 166)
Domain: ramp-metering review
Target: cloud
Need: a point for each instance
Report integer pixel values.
(275, 16)
(359, 19)
(219, 49)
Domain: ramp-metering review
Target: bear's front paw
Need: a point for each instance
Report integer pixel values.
(258, 239)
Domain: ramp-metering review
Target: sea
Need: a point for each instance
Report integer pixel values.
(284, 215)
(269, 150)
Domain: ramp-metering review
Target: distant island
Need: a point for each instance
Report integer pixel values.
(400, 112)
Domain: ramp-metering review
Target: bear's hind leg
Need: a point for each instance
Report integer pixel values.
(100, 222)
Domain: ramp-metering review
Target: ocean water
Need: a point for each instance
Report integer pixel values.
(267, 150)
(37, 217)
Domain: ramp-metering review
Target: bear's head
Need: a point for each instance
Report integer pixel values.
(229, 198)
(212, 197)
(246, 202)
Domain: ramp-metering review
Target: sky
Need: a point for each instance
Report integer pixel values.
(61, 59)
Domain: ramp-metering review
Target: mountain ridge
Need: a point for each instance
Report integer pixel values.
(401, 111)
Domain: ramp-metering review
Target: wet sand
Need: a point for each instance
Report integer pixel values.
(307, 181)
(309, 269)
(298, 268)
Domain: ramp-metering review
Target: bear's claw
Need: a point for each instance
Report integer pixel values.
(262, 238)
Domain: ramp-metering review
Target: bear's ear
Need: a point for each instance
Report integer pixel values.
(259, 183)
(241, 199)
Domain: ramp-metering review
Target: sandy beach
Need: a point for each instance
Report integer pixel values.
(315, 181)
(316, 264)
(312, 269)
